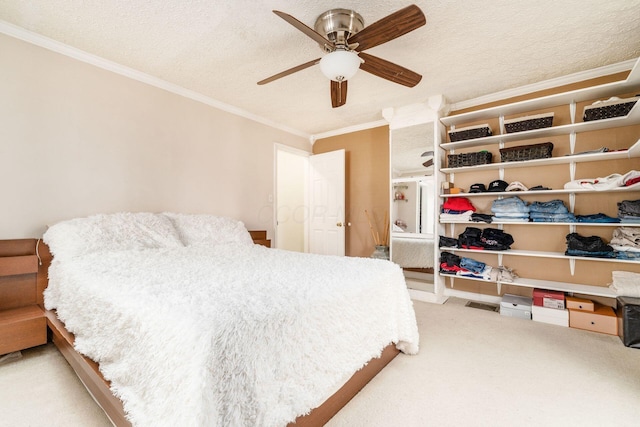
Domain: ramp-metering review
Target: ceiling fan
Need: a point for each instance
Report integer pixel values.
(346, 39)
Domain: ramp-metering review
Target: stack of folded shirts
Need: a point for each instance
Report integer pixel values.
(552, 211)
(592, 246)
(489, 239)
(626, 243)
(626, 283)
(629, 211)
(457, 209)
(512, 209)
(463, 267)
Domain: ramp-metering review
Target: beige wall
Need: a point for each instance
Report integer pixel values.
(367, 183)
(77, 140)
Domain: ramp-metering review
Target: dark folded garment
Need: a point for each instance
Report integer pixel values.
(450, 259)
(470, 237)
(629, 207)
(496, 239)
(586, 244)
(448, 242)
(478, 217)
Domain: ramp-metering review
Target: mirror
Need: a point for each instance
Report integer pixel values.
(412, 150)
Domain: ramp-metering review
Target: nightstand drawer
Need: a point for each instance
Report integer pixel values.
(22, 328)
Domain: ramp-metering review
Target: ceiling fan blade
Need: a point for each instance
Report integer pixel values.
(338, 93)
(388, 28)
(290, 71)
(428, 163)
(319, 38)
(388, 70)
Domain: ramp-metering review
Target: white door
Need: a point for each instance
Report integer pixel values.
(326, 203)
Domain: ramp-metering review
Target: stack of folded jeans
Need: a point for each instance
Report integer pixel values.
(599, 217)
(552, 211)
(629, 211)
(489, 238)
(626, 243)
(592, 246)
(512, 209)
(463, 267)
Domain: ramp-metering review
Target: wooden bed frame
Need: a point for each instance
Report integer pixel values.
(88, 371)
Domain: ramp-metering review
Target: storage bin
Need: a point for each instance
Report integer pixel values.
(469, 159)
(629, 321)
(549, 299)
(579, 304)
(526, 152)
(609, 109)
(552, 316)
(515, 306)
(470, 132)
(602, 319)
(521, 124)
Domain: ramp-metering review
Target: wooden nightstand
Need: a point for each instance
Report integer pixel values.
(260, 237)
(22, 321)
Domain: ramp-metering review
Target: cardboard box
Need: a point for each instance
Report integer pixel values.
(549, 299)
(515, 306)
(579, 304)
(552, 316)
(629, 321)
(602, 319)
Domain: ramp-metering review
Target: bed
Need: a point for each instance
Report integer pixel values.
(176, 319)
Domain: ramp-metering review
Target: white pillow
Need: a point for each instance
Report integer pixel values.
(111, 232)
(209, 230)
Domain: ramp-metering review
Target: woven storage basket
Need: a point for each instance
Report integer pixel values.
(469, 159)
(529, 123)
(526, 152)
(470, 132)
(609, 109)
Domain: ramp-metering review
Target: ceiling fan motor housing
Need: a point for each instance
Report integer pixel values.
(339, 25)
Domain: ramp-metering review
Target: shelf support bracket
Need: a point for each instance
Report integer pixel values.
(572, 266)
(499, 287)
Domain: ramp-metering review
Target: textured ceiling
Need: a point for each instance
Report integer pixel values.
(220, 49)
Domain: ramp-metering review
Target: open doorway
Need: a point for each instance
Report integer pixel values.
(290, 201)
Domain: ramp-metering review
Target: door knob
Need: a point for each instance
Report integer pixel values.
(339, 224)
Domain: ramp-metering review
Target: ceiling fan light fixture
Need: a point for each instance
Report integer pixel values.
(340, 65)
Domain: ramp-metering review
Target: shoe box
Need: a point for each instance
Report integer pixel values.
(515, 306)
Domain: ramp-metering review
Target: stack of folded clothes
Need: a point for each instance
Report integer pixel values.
(599, 217)
(489, 239)
(592, 246)
(629, 211)
(552, 211)
(512, 209)
(626, 243)
(626, 283)
(463, 267)
(457, 209)
(455, 265)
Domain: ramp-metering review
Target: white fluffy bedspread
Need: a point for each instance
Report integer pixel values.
(231, 335)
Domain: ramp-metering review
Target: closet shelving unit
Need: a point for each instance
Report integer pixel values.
(572, 130)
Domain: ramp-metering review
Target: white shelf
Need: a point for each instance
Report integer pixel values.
(572, 288)
(633, 118)
(632, 152)
(631, 83)
(539, 254)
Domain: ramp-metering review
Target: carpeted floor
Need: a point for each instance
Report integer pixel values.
(475, 368)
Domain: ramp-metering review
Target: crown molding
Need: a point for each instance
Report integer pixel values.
(546, 84)
(349, 129)
(80, 55)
